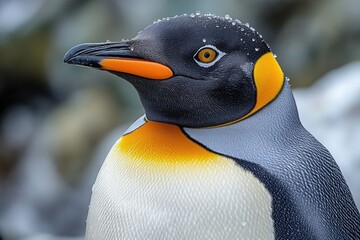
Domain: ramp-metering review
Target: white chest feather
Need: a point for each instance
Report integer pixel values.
(198, 195)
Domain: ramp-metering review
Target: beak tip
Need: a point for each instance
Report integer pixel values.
(68, 56)
(66, 59)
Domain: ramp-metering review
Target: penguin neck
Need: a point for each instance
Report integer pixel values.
(282, 111)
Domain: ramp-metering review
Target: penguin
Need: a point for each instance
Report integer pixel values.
(220, 152)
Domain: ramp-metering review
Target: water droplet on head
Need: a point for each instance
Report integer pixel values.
(192, 15)
(108, 41)
(227, 17)
(204, 40)
(253, 39)
(247, 24)
(275, 56)
(242, 29)
(252, 29)
(238, 21)
(256, 49)
(233, 23)
(197, 13)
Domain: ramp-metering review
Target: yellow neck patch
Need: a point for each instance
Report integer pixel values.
(269, 79)
(162, 143)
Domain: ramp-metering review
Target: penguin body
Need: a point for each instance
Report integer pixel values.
(298, 171)
(220, 153)
(174, 188)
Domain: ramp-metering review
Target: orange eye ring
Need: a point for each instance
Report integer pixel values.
(206, 55)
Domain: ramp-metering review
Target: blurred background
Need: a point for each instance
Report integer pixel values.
(57, 121)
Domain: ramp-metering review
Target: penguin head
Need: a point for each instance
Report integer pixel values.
(192, 70)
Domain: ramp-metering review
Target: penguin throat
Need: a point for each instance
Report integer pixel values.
(162, 143)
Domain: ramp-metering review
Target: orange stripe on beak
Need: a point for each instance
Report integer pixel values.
(141, 68)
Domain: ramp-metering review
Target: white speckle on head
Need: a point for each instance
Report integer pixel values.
(218, 22)
(256, 49)
(237, 21)
(204, 40)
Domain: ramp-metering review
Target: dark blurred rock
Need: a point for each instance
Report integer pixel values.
(318, 36)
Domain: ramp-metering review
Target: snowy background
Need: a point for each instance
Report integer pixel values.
(57, 122)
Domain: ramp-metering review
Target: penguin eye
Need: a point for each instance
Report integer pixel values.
(207, 56)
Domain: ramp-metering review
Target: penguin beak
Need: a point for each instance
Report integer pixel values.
(116, 57)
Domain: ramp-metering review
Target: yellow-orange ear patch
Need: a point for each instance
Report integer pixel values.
(269, 79)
